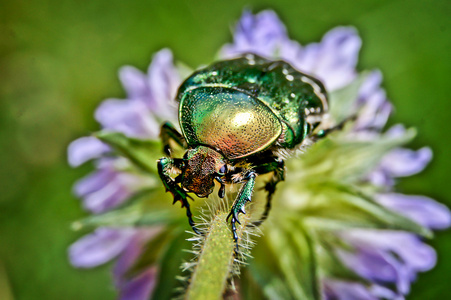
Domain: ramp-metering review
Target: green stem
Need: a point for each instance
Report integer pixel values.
(215, 262)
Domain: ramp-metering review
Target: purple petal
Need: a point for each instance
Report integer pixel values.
(396, 131)
(155, 90)
(343, 290)
(134, 82)
(102, 190)
(140, 287)
(402, 162)
(106, 188)
(388, 256)
(369, 263)
(380, 178)
(384, 293)
(412, 251)
(99, 247)
(372, 83)
(375, 108)
(93, 181)
(132, 118)
(133, 251)
(127, 259)
(421, 209)
(83, 149)
(334, 59)
(106, 198)
(261, 34)
(163, 80)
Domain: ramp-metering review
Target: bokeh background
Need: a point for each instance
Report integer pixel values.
(59, 60)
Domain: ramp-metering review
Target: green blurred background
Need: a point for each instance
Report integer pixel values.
(59, 60)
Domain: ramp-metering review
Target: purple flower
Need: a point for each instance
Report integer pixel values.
(125, 243)
(333, 60)
(100, 247)
(344, 290)
(388, 260)
(85, 149)
(150, 99)
(374, 106)
(261, 34)
(109, 186)
(421, 209)
(149, 102)
(381, 256)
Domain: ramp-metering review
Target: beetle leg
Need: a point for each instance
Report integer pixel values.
(325, 132)
(270, 187)
(167, 133)
(164, 166)
(221, 192)
(243, 197)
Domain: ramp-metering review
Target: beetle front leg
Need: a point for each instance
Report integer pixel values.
(167, 133)
(164, 166)
(243, 197)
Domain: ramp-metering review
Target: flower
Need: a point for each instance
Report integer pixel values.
(150, 100)
(338, 228)
(383, 257)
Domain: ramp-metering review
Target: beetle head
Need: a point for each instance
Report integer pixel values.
(203, 164)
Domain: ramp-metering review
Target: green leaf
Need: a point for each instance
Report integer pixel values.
(143, 153)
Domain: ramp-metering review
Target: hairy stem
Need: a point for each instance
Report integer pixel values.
(216, 259)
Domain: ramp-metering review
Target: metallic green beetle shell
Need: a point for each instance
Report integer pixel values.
(243, 106)
(226, 119)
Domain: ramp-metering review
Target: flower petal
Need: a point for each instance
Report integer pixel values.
(139, 287)
(163, 82)
(421, 209)
(134, 82)
(107, 187)
(369, 263)
(261, 34)
(388, 256)
(132, 118)
(133, 251)
(375, 108)
(344, 290)
(83, 149)
(334, 59)
(99, 247)
(402, 162)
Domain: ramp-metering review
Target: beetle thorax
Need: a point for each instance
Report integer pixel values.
(202, 165)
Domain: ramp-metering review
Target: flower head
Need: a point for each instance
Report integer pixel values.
(150, 100)
(338, 228)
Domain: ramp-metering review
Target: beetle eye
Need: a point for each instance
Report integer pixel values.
(223, 170)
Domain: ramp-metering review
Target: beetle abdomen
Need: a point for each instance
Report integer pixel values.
(228, 120)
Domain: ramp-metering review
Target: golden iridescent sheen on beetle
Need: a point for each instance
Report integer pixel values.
(236, 116)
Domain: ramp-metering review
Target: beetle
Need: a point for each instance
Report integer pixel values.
(238, 117)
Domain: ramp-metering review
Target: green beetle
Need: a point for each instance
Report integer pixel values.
(238, 119)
